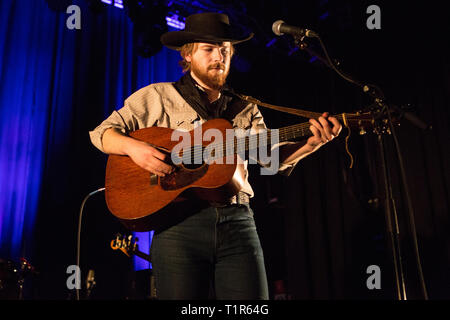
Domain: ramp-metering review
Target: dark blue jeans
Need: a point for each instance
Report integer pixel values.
(215, 250)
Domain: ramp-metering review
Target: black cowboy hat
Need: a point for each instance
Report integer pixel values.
(204, 27)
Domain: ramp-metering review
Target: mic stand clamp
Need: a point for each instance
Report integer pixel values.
(300, 43)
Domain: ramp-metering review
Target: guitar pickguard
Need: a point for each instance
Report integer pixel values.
(182, 177)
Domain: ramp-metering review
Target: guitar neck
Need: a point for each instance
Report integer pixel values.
(243, 142)
(266, 138)
(296, 131)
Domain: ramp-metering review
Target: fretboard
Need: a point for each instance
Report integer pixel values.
(252, 141)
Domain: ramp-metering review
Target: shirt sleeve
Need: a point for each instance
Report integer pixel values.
(115, 120)
(142, 109)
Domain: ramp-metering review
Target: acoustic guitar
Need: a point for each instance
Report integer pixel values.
(134, 194)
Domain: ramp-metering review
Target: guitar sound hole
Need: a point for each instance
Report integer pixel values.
(192, 166)
(193, 159)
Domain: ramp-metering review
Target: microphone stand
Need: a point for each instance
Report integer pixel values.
(394, 236)
(390, 216)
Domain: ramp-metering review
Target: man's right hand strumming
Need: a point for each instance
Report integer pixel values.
(143, 154)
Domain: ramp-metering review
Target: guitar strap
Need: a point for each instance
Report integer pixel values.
(297, 112)
(234, 107)
(231, 103)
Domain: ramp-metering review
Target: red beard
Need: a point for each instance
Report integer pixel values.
(214, 80)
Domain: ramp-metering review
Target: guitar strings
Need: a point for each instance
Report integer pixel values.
(244, 143)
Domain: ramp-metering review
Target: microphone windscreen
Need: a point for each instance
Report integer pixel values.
(276, 27)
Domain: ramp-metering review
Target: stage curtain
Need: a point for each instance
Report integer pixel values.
(56, 85)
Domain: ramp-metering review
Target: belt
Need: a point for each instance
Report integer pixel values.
(240, 198)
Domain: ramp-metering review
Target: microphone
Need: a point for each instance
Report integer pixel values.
(280, 28)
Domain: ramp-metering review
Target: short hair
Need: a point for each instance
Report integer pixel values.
(189, 48)
(185, 50)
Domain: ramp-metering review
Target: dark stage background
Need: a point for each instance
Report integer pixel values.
(321, 227)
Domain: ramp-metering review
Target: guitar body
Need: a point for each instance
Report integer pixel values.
(132, 194)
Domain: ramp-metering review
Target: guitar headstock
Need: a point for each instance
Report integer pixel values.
(372, 120)
(126, 244)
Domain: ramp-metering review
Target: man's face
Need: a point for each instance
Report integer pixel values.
(210, 63)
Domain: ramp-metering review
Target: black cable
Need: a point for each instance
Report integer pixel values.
(332, 65)
(410, 207)
(79, 233)
(368, 88)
